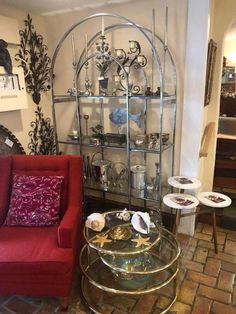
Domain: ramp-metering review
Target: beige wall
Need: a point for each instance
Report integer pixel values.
(223, 14)
(210, 114)
(141, 13)
(54, 27)
(18, 121)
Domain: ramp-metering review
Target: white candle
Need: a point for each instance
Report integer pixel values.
(74, 132)
(140, 59)
(166, 28)
(86, 46)
(132, 44)
(73, 48)
(102, 25)
(118, 52)
(117, 78)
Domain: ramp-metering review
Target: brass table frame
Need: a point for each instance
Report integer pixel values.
(92, 257)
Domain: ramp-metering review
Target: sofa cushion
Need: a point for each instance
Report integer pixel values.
(35, 201)
(32, 251)
(48, 166)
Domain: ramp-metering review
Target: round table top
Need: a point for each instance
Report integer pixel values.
(118, 237)
(180, 201)
(184, 182)
(214, 199)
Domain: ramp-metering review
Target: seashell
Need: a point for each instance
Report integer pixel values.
(141, 222)
(95, 222)
(124, 215)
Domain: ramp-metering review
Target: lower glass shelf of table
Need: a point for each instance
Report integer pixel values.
(119, 268)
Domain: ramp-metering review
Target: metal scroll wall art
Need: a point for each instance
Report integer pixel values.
(36, 64)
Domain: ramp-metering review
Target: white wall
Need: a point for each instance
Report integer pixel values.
(194, 93)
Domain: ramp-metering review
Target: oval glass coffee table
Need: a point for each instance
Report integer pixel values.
(119, 263)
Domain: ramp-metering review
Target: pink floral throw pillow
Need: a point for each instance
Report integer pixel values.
(35, 201)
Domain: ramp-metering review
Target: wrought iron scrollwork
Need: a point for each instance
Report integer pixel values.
(34, 60)
(132, 58)
(42, 140)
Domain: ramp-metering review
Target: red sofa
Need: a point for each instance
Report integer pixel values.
(39, 261)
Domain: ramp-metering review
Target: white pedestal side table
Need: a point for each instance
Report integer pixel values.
(213, 200)
(180, 201)
(184, 183)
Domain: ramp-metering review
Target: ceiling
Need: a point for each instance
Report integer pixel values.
(52, 7)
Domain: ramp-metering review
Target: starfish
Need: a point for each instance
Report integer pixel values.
(101, 239)
(141, 241)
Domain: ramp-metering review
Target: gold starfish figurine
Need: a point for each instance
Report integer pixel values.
(101, 240)
(141, 241)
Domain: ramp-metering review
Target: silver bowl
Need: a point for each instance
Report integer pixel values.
(140, 140)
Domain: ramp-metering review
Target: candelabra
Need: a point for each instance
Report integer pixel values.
(133, 58)
(103, 61)
(88, 84)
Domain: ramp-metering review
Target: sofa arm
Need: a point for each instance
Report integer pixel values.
(70, 229)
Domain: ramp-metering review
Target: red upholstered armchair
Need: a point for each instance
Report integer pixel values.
(40, 260)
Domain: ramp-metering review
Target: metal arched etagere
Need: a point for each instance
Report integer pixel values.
(153, 190)
(133, 167)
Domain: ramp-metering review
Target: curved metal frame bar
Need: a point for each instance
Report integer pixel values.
(96, 16)
(141, 29)
(96, 312)
(178, 251)
(128, 292)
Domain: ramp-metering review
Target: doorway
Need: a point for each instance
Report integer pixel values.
(225, 164)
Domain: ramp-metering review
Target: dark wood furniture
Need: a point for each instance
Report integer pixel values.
(225, 164)
(228, 106)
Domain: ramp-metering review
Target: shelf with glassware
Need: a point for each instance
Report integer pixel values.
(144, 148)
(121, 188)
(110, 89)
(100, 140)
(68, 98)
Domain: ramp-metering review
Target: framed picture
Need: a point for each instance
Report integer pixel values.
(211, 58)
(228, 74)
(12, 90)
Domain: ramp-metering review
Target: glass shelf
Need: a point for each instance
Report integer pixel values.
(125, 247)
(152, 196)
(63, 98)
(102, 276)
(68, 98)
(118, 147)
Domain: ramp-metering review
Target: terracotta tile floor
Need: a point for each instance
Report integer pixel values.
(208, 282)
